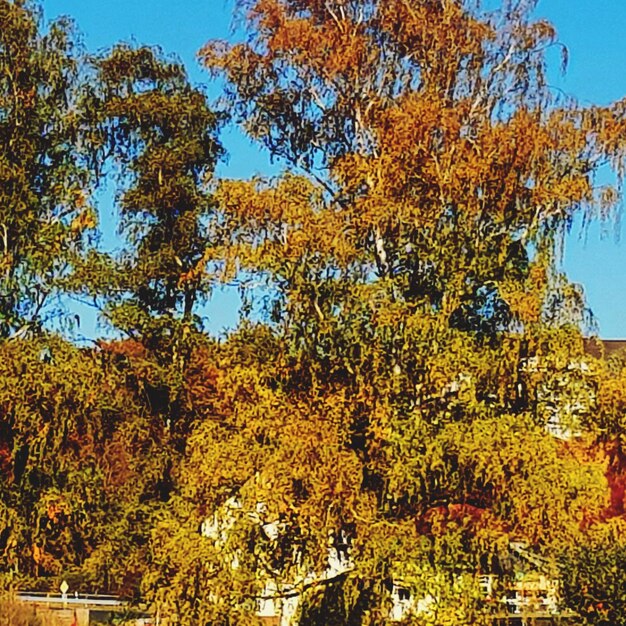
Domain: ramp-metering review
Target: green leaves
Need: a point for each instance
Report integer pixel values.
(161, 134)
(593, 578)
(45, 215)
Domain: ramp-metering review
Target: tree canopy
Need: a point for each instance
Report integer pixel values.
(409, 396)
(45, 209)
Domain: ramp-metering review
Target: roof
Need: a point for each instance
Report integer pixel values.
(603, 348)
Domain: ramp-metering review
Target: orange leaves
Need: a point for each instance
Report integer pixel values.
(321, 488)
(290, 201)
(438, 37)
(478, 521)
(130, 349)
(201, 381)
(272, 226)
(287, 38)
(85, 220)
(340, 49)
(435, 114)
(57, 509)
(527, 300)
(522, 171)
(394, 397)
(526, 306)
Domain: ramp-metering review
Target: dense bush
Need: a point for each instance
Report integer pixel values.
(594, 581)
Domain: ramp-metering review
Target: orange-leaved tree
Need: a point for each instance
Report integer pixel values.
(393, 420)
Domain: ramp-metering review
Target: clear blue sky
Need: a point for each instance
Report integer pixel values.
(593, 30)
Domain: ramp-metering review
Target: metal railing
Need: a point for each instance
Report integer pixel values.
(83, 600)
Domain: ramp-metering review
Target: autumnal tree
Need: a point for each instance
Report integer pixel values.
(279, 477)
(593, 576)
(45, 213)
(85, 465)
(89, 437)
(381, 421)
(591, 570)
(419, 317)
(157, 135)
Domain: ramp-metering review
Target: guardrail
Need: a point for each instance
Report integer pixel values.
(84, 600)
